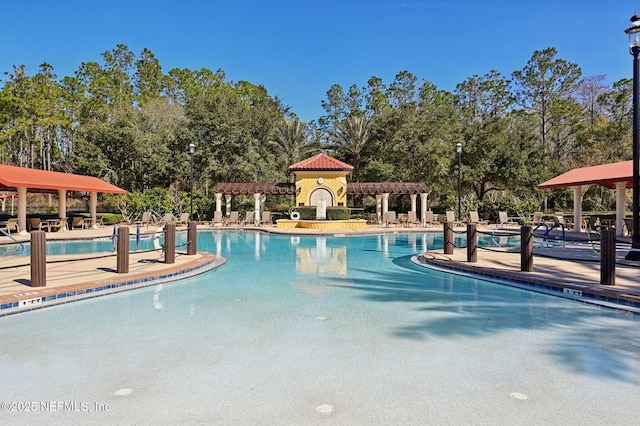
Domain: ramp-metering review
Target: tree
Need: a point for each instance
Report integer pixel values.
(541, 82)
(293, 140)
(351, 137)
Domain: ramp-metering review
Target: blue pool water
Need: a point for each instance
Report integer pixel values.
(323, 330)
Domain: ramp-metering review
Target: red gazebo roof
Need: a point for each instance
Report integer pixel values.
(605, 174)
(321, 162)
(12, 177)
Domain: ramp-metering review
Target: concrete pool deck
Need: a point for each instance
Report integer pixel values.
(571, 271)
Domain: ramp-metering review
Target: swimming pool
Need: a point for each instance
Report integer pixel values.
(316, 330)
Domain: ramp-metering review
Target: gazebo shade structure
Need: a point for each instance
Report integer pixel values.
(23, 180)
(618, 176)
(606, 175)
(12, 178)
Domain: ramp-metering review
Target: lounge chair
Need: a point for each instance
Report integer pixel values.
(12, 225)
(451, 217)
(35, 223)
(474, 218)
(412, 219)
(265, 219)
(183, 220)
(77, 222)
(560, 221)
(373, 219)
(57, 224)
(503, 220)
(147, 219)
(217, 219)
(391, 219)
(430, 218)
(169, 218)
(537, 219)
(248, 218)
(232, 219)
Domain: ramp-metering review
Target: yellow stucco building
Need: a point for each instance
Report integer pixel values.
(321, 179)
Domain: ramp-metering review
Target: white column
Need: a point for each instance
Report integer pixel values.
(263, 201)
(423, 207)
(379, 207)
(413, 201)
(227, 207)
(218, 202)
(22, 210)
(577, 208)
(621, 204)
(385, 204)
(62, 207)
(256, 208)
(93, 206)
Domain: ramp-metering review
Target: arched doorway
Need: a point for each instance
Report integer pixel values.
(321, 194)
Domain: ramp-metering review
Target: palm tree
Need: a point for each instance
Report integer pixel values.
(294, 140)
(351, 136)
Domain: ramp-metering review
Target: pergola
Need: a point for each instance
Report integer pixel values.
(22, 180)
(618, 176)
(381, 190)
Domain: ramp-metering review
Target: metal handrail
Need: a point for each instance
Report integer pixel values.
(12, 238)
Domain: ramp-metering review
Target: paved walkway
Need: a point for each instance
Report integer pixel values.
(80, 276)
(571, 269)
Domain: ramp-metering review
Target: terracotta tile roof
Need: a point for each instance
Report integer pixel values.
(321, 162)
(393, 188)
(12, 177)
(605, 174)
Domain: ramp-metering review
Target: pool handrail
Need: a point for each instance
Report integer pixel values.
(2, 231)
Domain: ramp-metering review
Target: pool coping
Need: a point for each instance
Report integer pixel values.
(42, 297)
(606, 296)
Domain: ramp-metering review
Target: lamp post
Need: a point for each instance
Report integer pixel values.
(459, 151)
(634, 48)
(192, 150)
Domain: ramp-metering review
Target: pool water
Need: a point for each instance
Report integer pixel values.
(323, 330)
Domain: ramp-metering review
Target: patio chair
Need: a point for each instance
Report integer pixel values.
(12, 225)
(430, 218)
(373, 219)
(248, 218)
(593, 224)
(147, 219)
(57, 224)
(503, 220)
(412, 219)
(217, 219)
(232, 219)
(183, 220)
(265, 219)
(474, 218)
(537, 219)
(451, 217)
(35, 223)
(77, 222)
(169, 218)
(391, 219)
(560, 221)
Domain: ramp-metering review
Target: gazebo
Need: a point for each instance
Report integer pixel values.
(22, 180)
(618, 176)
(323, 179)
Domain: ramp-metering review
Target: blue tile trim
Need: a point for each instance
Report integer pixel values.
(103, 290)
(614, 302)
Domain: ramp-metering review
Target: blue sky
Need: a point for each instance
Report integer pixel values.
(298, 48)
